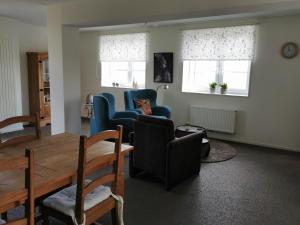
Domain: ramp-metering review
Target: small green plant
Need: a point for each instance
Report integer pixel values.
(223, 86)
(213, 85)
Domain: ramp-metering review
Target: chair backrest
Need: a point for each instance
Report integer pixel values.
(34, 119)
(17, 197)
(99, 162)
(101, 112)
(151, 137)
(131, 95)
(111, 104)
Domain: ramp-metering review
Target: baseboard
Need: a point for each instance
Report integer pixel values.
(243, 141)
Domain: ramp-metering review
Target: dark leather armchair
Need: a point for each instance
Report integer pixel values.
(105, 116)
(131, 95)
(157, 151)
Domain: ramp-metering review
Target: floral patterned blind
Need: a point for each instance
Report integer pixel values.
(227, 43)
(123, 47)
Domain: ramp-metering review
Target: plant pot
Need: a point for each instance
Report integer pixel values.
(212, 90)
(223, 90)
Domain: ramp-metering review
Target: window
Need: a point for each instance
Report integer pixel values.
(123, 60)
(197, 75)
(221, 55)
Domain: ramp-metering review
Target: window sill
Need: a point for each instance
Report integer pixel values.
(217, 93)
(122, 87)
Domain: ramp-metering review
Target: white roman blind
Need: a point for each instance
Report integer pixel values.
(226, 43)
(123, 47)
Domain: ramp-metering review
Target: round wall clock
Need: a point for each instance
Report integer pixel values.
(289, 50)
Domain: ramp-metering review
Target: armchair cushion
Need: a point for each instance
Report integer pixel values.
(162, 111)
(138, 111)
(144, 105)
(131, 95)
(126, 114)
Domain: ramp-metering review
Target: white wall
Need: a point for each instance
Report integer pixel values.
(269, 116)
(30, 38)
(72, 94)
(64, 66)
(56, 70)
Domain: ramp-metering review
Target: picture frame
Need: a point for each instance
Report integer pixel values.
(163, 67)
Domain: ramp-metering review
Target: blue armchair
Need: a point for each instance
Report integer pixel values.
(131, 95)
(105, 116)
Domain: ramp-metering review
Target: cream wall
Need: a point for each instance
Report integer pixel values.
(71, 69)
(64, 66)
(268, 117)
(30, 38)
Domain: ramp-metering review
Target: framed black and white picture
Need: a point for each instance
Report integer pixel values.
(163, 67)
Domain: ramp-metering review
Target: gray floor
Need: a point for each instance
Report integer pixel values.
(258, 187)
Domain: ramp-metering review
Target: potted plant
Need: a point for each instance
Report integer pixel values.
(223, 87)
(212, 87)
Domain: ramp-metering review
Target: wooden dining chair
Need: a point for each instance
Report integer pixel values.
(23, 195)
(89, 200)
(34, 119)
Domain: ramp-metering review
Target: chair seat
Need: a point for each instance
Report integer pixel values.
(2, 222)
(65, 200)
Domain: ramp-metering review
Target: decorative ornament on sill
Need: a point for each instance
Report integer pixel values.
(115, 84)
(135, 85)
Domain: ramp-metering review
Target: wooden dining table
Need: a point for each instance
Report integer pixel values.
(56, 161)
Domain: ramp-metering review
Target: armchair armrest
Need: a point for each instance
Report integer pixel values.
(162, 111)
(138, 111)
(126, 114)
(127, 124)
(183, 158)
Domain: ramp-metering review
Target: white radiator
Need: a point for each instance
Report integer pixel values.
(213, 119)
(10, 89)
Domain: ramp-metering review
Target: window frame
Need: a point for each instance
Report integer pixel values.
(219, 79)
(130, 75)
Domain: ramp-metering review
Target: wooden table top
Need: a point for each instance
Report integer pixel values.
(56, 159)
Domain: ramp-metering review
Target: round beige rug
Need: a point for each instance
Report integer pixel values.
(219, 151)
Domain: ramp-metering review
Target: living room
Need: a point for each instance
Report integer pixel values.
(259, 114)
(251, 174)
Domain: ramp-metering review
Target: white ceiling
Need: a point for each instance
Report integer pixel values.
(28, 11)
(35, 11)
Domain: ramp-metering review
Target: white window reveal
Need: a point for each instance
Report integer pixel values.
(123, 60)
(218, 55)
